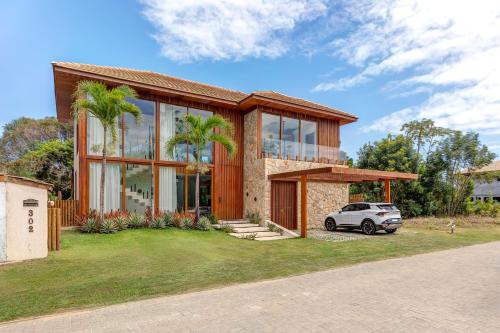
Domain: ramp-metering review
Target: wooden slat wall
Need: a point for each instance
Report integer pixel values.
(69, 211)
(228, 175)
(54, 229)
(328, 133)
(284, 203)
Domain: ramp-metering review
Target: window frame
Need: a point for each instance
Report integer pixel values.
(264, 154)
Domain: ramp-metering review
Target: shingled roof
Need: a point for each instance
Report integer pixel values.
(154, 79)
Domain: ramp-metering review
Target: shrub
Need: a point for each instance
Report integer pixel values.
(253, 217)
(148, 217)
(186, 222)
(121, 223)
(157, 222)
(212, 218)
(168, 219)
(107, 226)
(227, 229)
(273, 228)
(204, 224)
(136, 221)
(89, 224)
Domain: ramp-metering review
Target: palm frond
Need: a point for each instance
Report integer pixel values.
(175, 140)
(226, 142)
(217, 121)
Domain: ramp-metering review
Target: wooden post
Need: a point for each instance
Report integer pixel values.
(303, 206)
(387, 190)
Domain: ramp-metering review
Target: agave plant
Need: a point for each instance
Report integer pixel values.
(157, 222)
(186, 222)
(121, 223)
(89, 225)
(107, 226)
(136, 221)
(168, 219)
(204, 224)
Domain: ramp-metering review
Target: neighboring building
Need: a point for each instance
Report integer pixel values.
(484, 189)
(275, 133)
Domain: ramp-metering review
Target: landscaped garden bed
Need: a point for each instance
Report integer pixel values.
(97, 269)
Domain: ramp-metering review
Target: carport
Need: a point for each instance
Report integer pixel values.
(338, 175)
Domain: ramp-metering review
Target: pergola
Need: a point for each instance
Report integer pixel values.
(338, 175)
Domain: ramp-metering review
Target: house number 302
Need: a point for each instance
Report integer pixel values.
(30, 220)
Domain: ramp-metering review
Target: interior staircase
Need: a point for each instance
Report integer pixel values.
(244, 229)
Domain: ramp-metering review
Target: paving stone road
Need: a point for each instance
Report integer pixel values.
(450, 291)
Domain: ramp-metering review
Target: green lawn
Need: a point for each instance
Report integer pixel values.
(96, 269)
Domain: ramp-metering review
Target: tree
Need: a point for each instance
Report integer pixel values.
(198, 132)
(393, 153)
(24, 134)
(450, 169)
(425, 135)
(107, 106)
(50, 161)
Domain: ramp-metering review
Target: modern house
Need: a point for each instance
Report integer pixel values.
(288, 151)
(484, 189)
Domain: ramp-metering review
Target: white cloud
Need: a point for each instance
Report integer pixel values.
(189, 30)
(449, 49)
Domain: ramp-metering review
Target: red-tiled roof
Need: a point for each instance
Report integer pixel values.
(156, 79)
(298, 101)
(190, 87)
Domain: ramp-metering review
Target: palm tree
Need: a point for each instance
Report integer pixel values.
(199, 132)
(108, 106)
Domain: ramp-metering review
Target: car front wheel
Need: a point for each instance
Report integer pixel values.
(368, 227)
(330, 224)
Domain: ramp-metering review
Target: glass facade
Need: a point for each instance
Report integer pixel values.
(95, 138)
(205, 193)
(308, 139)
(139, 191)
(270, 134)
(135, 190)
(290, 138)
(112, 188)
(140, 138)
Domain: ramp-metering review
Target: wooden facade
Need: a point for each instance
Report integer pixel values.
(227, 173)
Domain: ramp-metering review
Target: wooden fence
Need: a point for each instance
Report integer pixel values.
(54, 229)
(356, 197)
(69, 211)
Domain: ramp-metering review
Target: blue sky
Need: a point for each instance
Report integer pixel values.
(386, 62)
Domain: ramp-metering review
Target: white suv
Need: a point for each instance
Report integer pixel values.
(369, 217)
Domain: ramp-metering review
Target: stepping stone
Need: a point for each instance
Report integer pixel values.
(259, 234)
(249, 229)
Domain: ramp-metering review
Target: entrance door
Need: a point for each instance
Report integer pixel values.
(284, 204)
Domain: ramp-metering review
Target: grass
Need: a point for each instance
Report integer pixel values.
(94, 269)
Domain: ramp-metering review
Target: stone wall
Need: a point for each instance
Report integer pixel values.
(323, 198)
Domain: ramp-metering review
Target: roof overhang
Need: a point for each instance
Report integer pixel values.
(254, 100)
(343, 175)
(63, 76)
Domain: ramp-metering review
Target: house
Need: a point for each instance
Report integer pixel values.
(489, 188)
(283, 142)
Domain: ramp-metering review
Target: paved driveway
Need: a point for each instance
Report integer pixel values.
(449, 291)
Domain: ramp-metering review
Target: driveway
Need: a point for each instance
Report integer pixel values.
(450, 291)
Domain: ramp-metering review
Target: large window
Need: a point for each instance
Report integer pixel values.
(308, 138)
(112, 189)
(140, 138)
(170, 117)
(95, 138)
(207, 152)
(139, 192)
(290, 138)
(205, 193)
(270, 134)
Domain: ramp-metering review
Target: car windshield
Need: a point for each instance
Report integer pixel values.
(387, 207)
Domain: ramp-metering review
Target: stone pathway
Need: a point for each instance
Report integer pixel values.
(450, 291)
